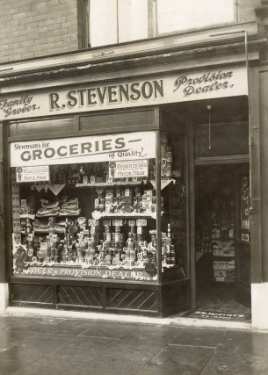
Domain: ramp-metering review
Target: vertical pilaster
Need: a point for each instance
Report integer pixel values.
(259, 195)
(3, 267)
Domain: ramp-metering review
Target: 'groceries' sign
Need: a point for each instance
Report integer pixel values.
(128, 146)
(179, 87)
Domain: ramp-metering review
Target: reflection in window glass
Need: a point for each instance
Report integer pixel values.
(103, 22)
(117, 21)
(95, 219)
(174, 15)
(133, 19)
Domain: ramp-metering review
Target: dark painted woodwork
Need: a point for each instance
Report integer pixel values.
(264, 170)
(175, 297)
(226, 139)
(243, 249)
(191, 215)
(33, 294)
(132, 299)
(258, 140)
(224, 159)
(119, 121)
(2, 207)
(89, 296)
(47, 128)
(138, 298)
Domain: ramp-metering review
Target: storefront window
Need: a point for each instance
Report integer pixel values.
(97, 219)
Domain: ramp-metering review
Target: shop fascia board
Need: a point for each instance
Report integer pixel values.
(137, 48)
(134, 68)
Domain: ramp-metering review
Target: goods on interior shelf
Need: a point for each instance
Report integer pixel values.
(244, 203)
(216, 226)
(113, 243)
(125, 200)
(223, 248)
(166, 158)
(94, 217)
(224, 271)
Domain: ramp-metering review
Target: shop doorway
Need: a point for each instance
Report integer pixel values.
(222, 241)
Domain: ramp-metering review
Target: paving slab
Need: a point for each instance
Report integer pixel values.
(51, 345)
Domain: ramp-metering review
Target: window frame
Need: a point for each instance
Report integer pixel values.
(153, 29)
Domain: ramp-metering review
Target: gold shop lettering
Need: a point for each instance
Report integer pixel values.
(204, 83)
(23, 104)
(117, 93)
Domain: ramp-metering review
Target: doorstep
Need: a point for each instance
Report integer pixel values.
(173, 320)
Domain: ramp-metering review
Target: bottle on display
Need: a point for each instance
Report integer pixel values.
(231, 232)
(216, 232)
(170, 251)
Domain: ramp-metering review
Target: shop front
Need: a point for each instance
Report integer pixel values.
(130, 196)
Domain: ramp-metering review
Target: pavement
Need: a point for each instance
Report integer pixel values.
(45, 345)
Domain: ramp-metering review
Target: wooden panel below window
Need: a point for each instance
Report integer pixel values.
(101, 296)
(80, 296)
(132, 299)
(28, 294)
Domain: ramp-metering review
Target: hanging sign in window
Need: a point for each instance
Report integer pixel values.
(91, 149)
(129, 169)
(32, 174)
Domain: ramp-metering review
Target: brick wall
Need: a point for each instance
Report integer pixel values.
(31, 28)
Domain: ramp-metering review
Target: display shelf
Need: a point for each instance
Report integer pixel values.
(48, 230)
(57, 215)
(243, 242)
(41, 231)
(164, 182)
(111, 184)
(223, 239)
(223, 281)
(69, 215)
(27, 216)
(101, 215)
(230, 254)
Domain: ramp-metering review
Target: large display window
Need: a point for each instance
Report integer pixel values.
(99, 207)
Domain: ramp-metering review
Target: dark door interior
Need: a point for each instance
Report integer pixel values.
(222, 243)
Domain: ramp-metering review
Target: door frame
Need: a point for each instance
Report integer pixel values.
(192, 164)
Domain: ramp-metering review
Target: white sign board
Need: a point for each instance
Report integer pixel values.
(128, 169)
(178, 87)
(32, 174)
(90, 149)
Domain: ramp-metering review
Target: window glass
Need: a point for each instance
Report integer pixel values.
(85, 207)
(117, 21)
(133, 19)
(102, 22)
(173, 206)
(175, 15)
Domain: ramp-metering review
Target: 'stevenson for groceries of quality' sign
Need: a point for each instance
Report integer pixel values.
(88, 149)
(161, 89)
